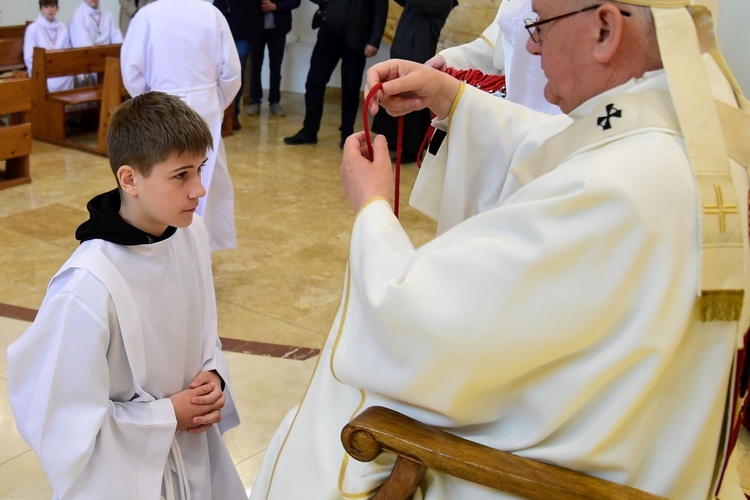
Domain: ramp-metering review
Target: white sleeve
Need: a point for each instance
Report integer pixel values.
(133, 56)
(29, 42)
(483, 53)
(79, 34)
(59, 382)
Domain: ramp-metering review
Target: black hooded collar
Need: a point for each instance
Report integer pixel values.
(105, 223)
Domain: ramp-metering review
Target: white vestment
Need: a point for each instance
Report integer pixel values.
(42, 33)
(120, 330)
(185, 48)
(552, 319)
(502, 49)
(89, 26)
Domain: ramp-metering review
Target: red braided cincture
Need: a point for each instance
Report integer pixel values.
(399, 145)
(740, 396)
(475, 78)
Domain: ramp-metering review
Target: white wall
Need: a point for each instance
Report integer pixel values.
(734, 37)
(19, 11)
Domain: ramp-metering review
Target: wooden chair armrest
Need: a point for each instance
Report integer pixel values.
(418, 445)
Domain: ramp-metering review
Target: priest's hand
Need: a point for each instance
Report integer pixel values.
(408, 86)
(362, 179)
(199, 407)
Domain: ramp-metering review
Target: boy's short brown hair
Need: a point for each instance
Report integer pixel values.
(147, 129)
(45, 3)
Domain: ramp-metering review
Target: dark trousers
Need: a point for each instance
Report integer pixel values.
(243, 50)
(329, 49)
(276, 42)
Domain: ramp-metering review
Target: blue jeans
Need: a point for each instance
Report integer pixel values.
(243, 49)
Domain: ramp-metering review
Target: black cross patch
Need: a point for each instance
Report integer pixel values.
(612, 112)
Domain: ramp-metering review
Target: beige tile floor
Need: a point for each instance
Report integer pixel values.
(280, 286)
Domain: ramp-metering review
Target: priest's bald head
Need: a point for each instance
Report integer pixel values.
(588, 48)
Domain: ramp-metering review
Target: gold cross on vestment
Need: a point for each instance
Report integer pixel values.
(720, 209)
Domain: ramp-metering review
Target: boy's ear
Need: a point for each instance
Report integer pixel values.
(127, 178)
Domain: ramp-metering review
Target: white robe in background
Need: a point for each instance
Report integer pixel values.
(552, 320)
(89, 26)
(120, 330)
(42, 33)
(185, 48)
(502, 50)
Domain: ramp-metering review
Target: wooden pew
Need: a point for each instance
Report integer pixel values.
(48, 109)
(11, 48)
(16, 31)
(113, 93)
(15, 138)
(11, 55)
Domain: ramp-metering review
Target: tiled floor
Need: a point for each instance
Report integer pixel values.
(277, 292)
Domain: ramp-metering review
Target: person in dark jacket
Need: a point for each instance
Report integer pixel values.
(416, 40)
(271, 21)
(351, 32)
(239, 17)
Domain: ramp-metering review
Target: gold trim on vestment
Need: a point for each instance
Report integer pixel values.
(720, 305)
(638, 111)
(489, 42)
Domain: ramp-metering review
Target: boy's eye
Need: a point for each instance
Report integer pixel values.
(181, 175)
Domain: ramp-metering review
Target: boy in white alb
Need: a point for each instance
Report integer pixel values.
(49, 33)
(92, 25)
(120, 385)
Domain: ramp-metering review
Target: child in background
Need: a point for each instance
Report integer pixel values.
(120, 385)
(92, 25)
(49, 33)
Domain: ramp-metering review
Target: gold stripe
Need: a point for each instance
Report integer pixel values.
(454, 105)
(489, 42)
(720, 305)
(641, 110)
(345, 459)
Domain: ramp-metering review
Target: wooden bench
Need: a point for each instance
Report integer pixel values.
(113, 93)
(15, 137)
(48, 109)
(11, 48)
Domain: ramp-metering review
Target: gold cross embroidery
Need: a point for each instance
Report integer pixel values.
(720, 209)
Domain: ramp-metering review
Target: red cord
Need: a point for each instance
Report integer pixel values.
(399, 143)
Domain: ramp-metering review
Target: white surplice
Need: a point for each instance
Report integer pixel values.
(120, 330)
(552, 319)
(49, 35)
(502, 49)
(185, 48)
(89, 26)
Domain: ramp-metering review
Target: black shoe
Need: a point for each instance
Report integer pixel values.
(341, 143)
(301, 137)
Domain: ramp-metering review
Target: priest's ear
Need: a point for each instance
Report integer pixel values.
(609, 33)
(127, 179)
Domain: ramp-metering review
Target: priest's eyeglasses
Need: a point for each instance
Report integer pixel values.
(533, 24)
